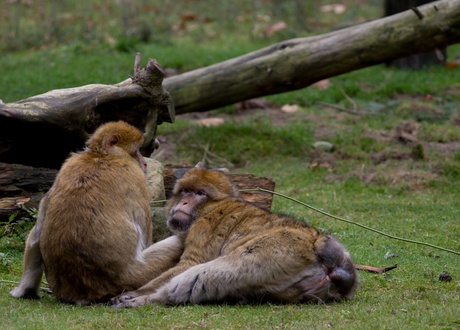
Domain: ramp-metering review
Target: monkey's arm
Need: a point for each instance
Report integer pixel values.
(161, 256)
(142, 295)
(29, 285)
(169, 249)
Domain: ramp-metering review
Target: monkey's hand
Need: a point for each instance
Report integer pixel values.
(26, 293)
(125, 301)
(122, 297)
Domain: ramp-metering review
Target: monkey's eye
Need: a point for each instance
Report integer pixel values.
(200, 193)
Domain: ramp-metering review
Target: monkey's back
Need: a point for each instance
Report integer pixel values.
(232, 222)
(265, 256)
(81, 251)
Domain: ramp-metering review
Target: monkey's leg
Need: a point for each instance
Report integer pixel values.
(32, 273)
(143, 295)
(29, 285)
(214, 281)
(254, 269)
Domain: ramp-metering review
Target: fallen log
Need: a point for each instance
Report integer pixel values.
(26, 185)
(41, 131)
(298, 63)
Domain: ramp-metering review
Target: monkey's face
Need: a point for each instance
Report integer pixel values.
(183, 212)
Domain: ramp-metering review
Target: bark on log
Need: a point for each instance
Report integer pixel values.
(42, 130)
(416, 61)
(297, 63)
(19, 183)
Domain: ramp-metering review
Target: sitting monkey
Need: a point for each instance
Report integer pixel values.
(93, 232)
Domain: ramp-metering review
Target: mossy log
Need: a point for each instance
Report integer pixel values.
(297, 63)
(416, 61)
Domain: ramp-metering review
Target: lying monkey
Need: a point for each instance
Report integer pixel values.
(237, 252)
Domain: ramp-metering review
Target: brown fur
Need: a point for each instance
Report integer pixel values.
(236, 252)
(94, 229)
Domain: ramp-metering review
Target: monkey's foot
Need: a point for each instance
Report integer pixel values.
(126, 303)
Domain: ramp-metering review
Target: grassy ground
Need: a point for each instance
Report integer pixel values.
(396, 169)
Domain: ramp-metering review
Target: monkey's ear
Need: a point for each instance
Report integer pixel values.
(111, 141)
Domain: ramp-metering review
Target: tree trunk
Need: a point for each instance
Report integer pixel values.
(416, 61)
(42, 130)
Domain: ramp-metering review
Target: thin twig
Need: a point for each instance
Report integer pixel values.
(336, 107)
(159, 201)
(375, 269)
(353, 111)
(16, 282)
(355, 223)
(208, 154)
(353, 102)
(417, 12)
(205, 153)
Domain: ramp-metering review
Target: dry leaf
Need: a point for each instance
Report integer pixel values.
(213, 121)
(278, 26)
(290, 108)
(322, 84)
(254, 104)
(336, 8)
(373, 269)
(445, 277)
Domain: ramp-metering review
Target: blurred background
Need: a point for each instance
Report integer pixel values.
(120, 24)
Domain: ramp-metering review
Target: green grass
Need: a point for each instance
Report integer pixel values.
(403, 195)
(248, 141)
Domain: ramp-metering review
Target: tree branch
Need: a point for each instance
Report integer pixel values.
(297, 63)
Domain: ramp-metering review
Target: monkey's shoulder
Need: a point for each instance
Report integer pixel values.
(235, 206)
(86, 169)
(240, 211)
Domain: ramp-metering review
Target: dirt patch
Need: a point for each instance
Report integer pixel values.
(397, 175)
(406, 160)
